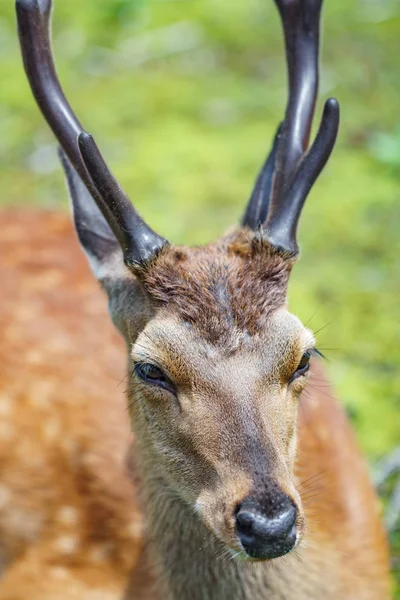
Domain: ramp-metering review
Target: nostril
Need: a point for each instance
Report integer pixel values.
(245, 522)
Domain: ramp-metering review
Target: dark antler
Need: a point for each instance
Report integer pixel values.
(295, 170)
(257, 207)
(138, 241)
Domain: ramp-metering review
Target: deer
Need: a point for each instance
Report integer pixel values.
(242, 478)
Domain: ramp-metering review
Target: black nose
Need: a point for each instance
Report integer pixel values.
(265, 536)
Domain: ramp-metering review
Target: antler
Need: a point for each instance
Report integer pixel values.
(290, 171)
(138, 241)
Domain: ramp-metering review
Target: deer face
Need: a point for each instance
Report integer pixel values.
(216, 373)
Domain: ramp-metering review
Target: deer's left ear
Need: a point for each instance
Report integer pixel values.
(94, 233)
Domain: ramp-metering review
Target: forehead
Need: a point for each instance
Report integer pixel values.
(224, 291)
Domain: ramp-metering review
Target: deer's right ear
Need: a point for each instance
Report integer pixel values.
(94, 233)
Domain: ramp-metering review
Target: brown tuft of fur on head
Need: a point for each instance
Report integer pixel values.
(235, 283)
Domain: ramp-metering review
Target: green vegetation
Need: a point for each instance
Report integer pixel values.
(183, 97)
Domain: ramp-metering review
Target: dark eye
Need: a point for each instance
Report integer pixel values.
(303, 367)
(149, 373)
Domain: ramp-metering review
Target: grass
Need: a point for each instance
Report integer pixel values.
(184, 97)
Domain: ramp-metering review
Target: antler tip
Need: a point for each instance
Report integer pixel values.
(331, 114)
(84, 138)
(87, 147)
(332, 104)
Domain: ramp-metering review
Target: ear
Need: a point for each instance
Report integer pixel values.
(127, 302)
(94, 233)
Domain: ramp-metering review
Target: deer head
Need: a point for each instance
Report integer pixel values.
(217, 362)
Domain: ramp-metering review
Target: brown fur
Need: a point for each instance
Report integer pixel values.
(69, 524)
(241, 274)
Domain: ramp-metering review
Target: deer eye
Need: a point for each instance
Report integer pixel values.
(303, 366)
(153, 375)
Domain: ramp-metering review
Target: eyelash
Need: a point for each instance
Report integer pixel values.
(142, 371)
(301, 371)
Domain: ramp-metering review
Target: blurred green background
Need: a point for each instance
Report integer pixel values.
(183, 97)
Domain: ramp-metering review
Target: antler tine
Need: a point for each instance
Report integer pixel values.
(281, 225)
(138, 241)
